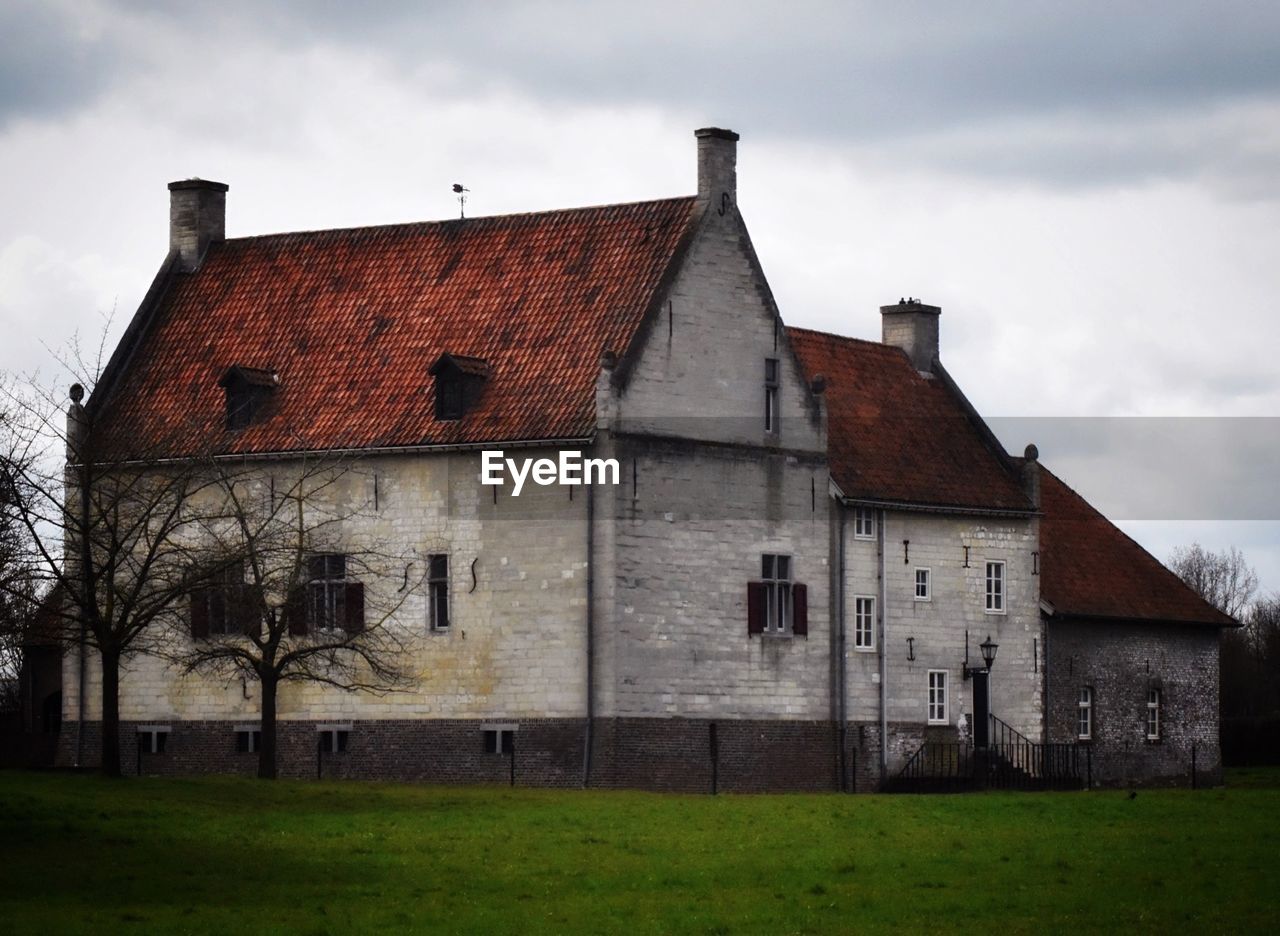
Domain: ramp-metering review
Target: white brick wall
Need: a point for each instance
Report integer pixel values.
(938, 626)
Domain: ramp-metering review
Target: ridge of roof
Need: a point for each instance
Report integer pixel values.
(866, 342)
(477, 221)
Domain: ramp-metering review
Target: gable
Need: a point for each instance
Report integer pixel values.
(698, 367)
(352, 321)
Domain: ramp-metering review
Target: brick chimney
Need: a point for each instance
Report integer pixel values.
(912, 326)
(197, 218)
(717, 166)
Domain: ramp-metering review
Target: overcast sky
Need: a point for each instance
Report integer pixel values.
(1090, 191)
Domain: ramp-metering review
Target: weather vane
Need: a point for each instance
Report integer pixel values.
(461, 191)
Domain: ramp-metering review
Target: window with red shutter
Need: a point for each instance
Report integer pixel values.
(353, 603)
(755, 607)
(200, 614)
(295, 613)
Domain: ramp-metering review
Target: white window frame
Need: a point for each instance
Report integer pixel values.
(1155, 701)
(1084, 714)
(995, 597)
(928, 584)
(772, 375)
(778, 593)
(438, 611)
(864, 613)
(937, 699)
(864, 523)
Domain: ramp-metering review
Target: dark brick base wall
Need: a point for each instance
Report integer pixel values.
(642, 753)
(747, 756)
(1121, 662)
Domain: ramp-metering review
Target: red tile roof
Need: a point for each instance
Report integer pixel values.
(351, 321)
(895, 435)
(1089, 568)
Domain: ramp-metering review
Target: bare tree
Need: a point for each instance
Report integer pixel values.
(1224, 579)
(101, 521)
(284, 600)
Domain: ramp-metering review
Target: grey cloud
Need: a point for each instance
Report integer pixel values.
(48, 67)
(1061, 95)
(1160, 468)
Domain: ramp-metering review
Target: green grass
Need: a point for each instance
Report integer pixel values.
(81, 854)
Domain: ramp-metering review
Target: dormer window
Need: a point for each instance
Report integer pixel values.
(459, 382)
(248, 389)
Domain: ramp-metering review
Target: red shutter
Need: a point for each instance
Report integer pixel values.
(800, 610)
(200, 614)
(248, 613)
(295, 612)
(353, 603)
(755, 607)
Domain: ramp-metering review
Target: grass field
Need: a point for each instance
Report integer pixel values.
(81, 854)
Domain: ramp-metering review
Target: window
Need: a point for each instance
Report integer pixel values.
(777, 604)
(333, 601)
(1084, 714)
(438, 592)
(152, 738)
(448, 397)
(864, 523)
(864, 623)
(937, 697)
(770, 394)
(776, 573)
(995, 588)
(248, 390)
(224, 600)
(923, 592)
(248, 740)
(333, 740)
(224, 608)
(1153, 715)
(460, 380)
(499, 741)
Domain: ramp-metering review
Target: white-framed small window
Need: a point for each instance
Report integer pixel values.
(770, 394)
(864, 623)
(775, 571)
(333, 738)
(864, 523)
(995, 588)
(924, 585)
(499, 740)
(248, 739)
(152, 739)
(1154, 701)
(937, 697)
(438, 592)
(1084, 714)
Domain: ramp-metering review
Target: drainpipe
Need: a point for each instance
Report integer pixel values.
(591, 705)
(843, 702)
(884, 600)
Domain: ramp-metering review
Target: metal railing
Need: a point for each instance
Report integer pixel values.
(1011, 761)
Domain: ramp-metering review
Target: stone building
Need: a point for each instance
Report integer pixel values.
(785, 587)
